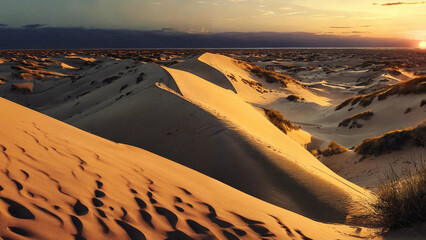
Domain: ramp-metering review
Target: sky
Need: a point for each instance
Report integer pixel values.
(370, 18)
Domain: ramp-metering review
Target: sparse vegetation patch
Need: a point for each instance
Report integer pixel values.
(279, 121)
(353, 121)
(255, 85)
(270, 76)
(393, 140)
(332, 149)
(413, 86)
(401, 201)
(293, 98)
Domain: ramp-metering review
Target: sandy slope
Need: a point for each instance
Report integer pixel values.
(389, 114)
(205, 113)
(59, 181)
(178, 117)
(202, 124)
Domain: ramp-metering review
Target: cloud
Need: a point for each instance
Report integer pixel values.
(266, 12)
(292, 13)
(33, 26)
(341, 27)
(399, 3)
(205, 2)
(357, 32)
(346, 27)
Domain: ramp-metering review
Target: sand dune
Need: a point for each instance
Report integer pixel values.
(57, 180)
(206, 111)
(200, 122)
(203, 125)
(405, 110)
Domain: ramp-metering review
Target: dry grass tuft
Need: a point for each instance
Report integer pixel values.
(352, 121)
(332, 149)
(255, 85)
(279, 121)
(393, 140)
(401, 201)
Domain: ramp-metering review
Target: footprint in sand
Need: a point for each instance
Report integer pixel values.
(20, 231)
(169, 215)
(17, 210)
(80, 209)
(131, 231)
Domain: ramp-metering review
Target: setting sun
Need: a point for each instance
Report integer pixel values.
(422, 44)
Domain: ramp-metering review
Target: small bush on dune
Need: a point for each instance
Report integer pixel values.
(401, 202)
(333, 148)
(293, 97)
(393, 140)
(367, 115)
(279, 121)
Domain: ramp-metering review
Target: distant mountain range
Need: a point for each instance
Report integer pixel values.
(84, 38)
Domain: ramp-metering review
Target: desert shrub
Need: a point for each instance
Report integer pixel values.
(333, 148)
(393, 140)
(413, 86)
(293, 97)
(279, 121)
(360, 116)
(401, 201)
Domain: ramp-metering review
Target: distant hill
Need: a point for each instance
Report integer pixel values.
(84, 38)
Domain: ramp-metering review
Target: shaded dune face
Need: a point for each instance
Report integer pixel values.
(49, 188)
(58, 181)
(143, 105)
